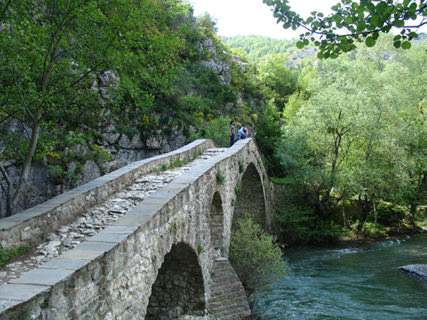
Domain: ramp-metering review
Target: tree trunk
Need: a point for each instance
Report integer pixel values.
(7, 190)
(366, 205)
(27, 162)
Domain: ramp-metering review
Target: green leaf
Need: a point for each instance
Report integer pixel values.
(348, 20)
(300, 44)
(406, 45)
(370, 42)
(397, 44)
(399, 23)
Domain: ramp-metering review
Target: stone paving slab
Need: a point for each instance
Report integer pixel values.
(109, 237)
(133, 220)
(148, 206)
(185, 179)
(171, 187)
(61, 263)
(62, 198)
(88, 250)
(143, 212)
(162, 196)
(31, 213)
(121, 229)
(20, 292)
(43, 276)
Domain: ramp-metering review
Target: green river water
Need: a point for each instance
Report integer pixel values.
(351, 281)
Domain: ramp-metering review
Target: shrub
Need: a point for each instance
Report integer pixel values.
(253, 255)
(219, 177)
(218, 130)
(390, 215)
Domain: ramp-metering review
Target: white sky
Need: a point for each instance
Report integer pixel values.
(253, 17)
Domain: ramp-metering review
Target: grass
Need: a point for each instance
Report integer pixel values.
(7, 255)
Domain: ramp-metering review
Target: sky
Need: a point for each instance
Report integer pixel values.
(253, 17)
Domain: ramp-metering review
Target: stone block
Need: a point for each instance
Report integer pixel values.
(88, 250)
(20, 292)
(44, 277)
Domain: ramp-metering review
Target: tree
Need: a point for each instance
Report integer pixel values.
(277, 80)
(267, 137)
(360, 137)
(52, 53)
(253, 255)
(352, 22)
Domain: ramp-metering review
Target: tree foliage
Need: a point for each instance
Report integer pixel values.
(360, 137)
(53, 53)
(256, 47)
(254, 257)
(354, 21)
(75, 72)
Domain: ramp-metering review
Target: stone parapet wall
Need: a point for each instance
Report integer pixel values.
(115, 274)
(30, 227)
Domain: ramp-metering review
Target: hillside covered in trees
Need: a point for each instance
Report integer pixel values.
(346, 139)
(87, 87)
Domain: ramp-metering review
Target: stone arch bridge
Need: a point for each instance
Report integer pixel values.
(166, 257)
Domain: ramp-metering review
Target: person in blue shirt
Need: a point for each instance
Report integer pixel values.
(241, 132)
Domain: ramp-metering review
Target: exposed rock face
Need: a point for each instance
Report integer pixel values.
(418, 270)
(208, 45)
(43, 185)
(105, 84)
(221, 68)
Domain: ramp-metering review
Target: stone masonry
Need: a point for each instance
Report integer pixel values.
(159, 260)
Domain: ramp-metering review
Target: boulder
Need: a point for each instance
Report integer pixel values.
(418, 270)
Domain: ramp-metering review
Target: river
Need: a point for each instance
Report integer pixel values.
(349, 281)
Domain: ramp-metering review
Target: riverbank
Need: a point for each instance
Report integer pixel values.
(370, 237)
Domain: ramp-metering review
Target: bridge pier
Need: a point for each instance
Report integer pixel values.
(228, 298)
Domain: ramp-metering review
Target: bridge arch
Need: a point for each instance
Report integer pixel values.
(250, 198)
(179, 287)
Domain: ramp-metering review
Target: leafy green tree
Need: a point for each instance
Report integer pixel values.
(52, 54)
(254, 257)
(277, 80)
(267, 137)
(358, 137)
(352, 22)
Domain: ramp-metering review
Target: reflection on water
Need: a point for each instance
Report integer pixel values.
(358, 281)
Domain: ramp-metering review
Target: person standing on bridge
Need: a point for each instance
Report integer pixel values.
(232, 132)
